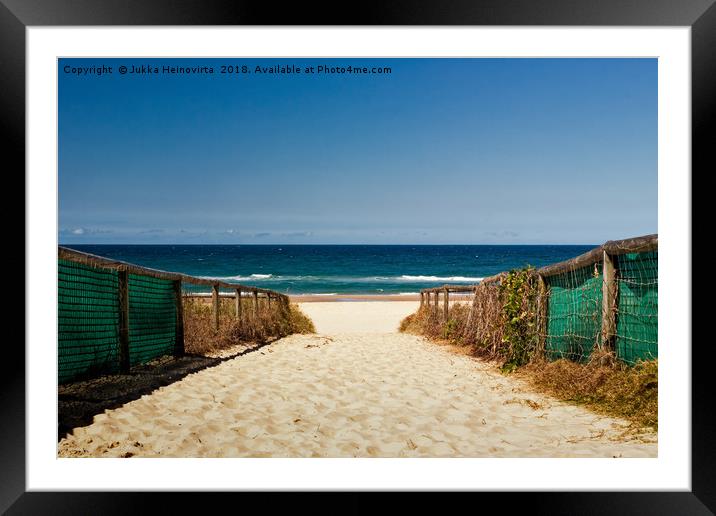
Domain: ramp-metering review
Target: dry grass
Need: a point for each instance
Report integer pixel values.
(482, 335)
(499, 323)
(603, 384)
(486, 331)
(431, 323)
(271, 322)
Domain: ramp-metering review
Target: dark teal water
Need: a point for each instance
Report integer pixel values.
(339, 269)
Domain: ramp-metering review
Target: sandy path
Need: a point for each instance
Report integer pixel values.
(358, 316)
(351, 395)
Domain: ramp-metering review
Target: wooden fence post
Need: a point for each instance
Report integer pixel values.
(268, 301)
(215, 305)
(446, 307)
(437, 300)
(422, 299)
(123, 278)
(256, 302)
(427, 299)
(238, 304)
(179, 328)
(609, 302)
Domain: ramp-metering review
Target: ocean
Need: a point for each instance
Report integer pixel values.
(339, 269)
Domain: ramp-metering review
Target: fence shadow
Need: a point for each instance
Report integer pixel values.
(79, 402)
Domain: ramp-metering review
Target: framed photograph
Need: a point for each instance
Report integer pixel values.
(414, 250)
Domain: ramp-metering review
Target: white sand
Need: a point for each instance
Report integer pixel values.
(358, 316)
(351, 393)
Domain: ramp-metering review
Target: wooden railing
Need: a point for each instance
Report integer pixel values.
(426, 294)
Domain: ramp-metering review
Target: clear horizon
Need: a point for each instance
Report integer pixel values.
(438, 152)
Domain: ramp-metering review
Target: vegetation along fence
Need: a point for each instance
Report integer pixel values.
(114, 315)
(604, 299)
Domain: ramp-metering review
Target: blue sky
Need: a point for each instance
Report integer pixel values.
(438, 151)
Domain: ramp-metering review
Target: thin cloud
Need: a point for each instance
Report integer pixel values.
(80, 231)
(298, 234)
(503, 234)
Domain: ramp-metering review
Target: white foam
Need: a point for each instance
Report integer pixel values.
(351, 279)
(456, 279)
(239, 278)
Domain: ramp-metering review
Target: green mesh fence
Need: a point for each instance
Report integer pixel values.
(89, 314)
(152, 318)
(88, 320)
(637, 306)
(574, 313)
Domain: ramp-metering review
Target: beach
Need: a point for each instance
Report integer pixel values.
(323, 298)
(356, 388)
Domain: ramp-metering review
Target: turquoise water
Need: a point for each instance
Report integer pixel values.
(339, 269)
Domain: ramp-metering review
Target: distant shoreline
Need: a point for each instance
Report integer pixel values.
(323, 298)
(319, 298)
(338, 297)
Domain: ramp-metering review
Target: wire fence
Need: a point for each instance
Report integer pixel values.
(113, 315)
(637, 306)
(605, 299)
(574, 308)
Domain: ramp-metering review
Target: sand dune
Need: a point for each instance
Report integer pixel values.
(345, 393)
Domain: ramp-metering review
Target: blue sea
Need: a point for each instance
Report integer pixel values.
(339, 269)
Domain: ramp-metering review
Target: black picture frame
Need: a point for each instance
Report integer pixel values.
(700, 15)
